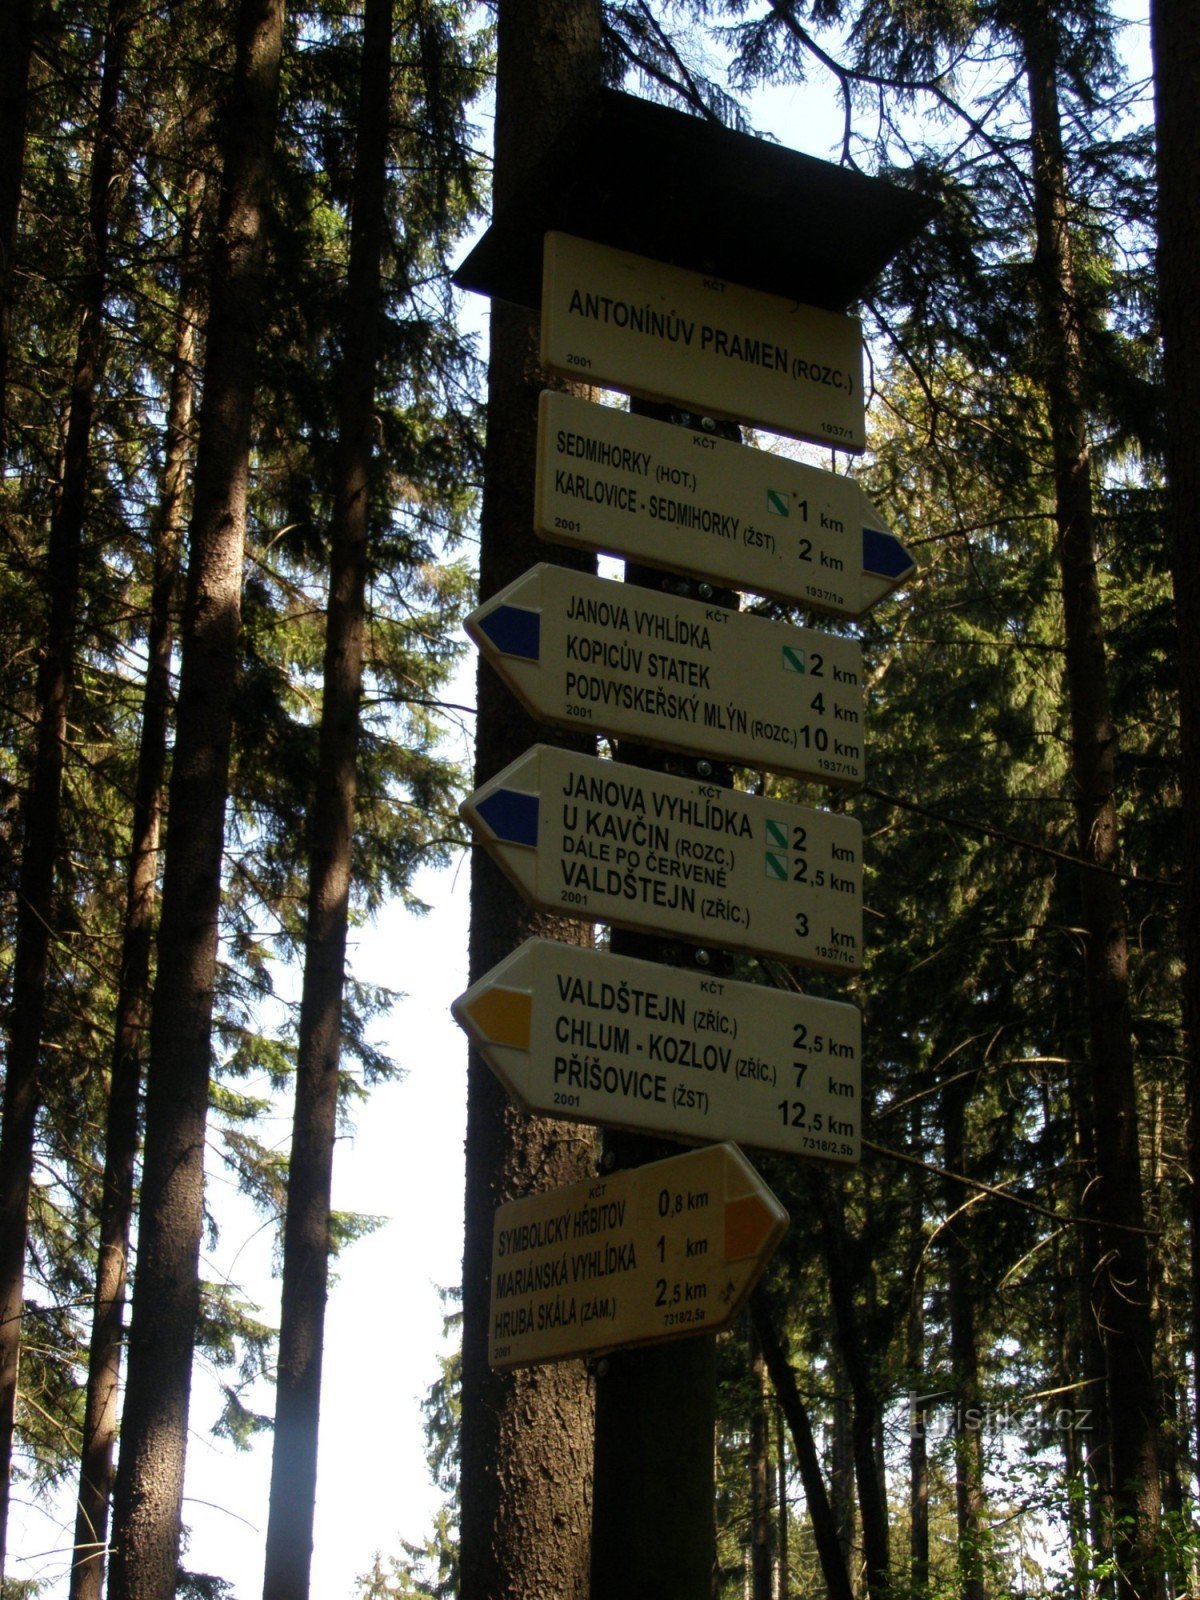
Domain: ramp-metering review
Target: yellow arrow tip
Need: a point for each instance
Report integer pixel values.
(748, 1225)
(503, 1016)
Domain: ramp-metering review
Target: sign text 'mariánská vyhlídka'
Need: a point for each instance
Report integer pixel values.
(681, 499)
(594, 1037)
(659, 1252)
(624, 321)
(590, 653)
(613, 843)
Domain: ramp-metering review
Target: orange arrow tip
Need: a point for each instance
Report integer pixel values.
(503, 1016)
(750, 1227)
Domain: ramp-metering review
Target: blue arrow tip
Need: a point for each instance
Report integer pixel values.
(511, 815)
(884, 556)
(514, 630)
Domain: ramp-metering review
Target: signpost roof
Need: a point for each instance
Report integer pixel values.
(661, 183)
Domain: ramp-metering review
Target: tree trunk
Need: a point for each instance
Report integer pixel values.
(1069, 1348)
(149, 1486)
(306, 1242)
(868, 1407)
(16, 52)
(820, 1512)
(526, 1435)
(964, 1357)
(36, 915)
(759, 1464)
(782, 1511)
(1122, 1282)
(133, 993)
(918, 1450)
(841, 1468)
(1176, 48)
(1096, 1443)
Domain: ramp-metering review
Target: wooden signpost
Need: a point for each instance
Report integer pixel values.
(589, 653)
(657, 1252)
(591, 1037)
(608, 842)
(681, 499)
(670, 1249)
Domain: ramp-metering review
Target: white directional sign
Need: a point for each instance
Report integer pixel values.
(588, 653)
(593, 1037)
(608, 842)
(670, 497)
(621, 320)
(657, 1252)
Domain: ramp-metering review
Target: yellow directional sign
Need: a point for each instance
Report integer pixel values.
(655, 1253)
(625, 322)
(608, 842)
(589, 653)
(682, 499)
(592, 1037)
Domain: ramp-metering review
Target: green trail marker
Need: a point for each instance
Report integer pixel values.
(613, 843)
(681, 499)
(591, 654)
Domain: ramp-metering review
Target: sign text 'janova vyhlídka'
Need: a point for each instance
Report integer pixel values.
(613, 843)
(590, 653)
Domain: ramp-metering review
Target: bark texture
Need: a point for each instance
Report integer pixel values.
(24, 1089)
(1121, 1282)
(1176, 46)
(149, 1487)
(526, 1435)
(98, 1448)
(306, 1240)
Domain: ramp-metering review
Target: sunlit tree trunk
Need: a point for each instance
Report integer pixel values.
(149, 1488)
(98, 1447)
(306, 1240)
